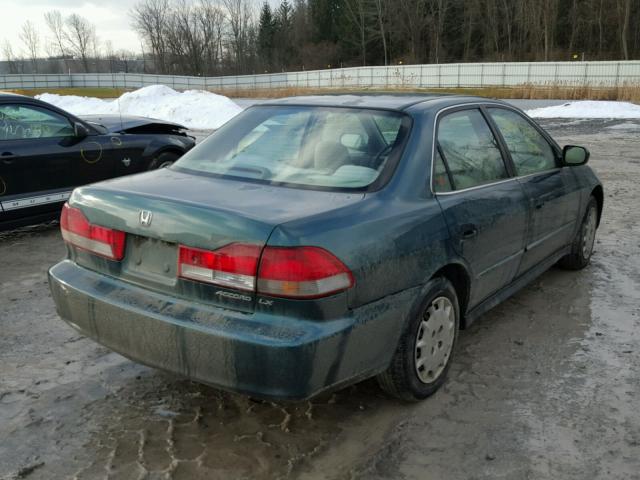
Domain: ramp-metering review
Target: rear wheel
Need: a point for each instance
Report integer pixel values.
(582, 246)
(163, 160)
(423, 357)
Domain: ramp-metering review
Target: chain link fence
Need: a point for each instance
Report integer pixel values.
(570, 74)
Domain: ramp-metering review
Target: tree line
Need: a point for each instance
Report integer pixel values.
(218, 37)
(70, 43)
(237, 36)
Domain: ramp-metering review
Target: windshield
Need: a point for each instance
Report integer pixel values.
(303, 146)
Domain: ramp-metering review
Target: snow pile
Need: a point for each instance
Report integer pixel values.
(195, 109)
(588, 109)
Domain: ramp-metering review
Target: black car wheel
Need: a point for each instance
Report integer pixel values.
(163, 160)
(423, 356)
(582, 246)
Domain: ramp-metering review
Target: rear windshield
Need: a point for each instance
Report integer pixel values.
(303, 146)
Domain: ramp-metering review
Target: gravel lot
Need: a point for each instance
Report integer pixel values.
(545, 385)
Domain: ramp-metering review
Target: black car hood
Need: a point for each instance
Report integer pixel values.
(117, 123)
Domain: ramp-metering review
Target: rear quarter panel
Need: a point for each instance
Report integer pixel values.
(388, 246)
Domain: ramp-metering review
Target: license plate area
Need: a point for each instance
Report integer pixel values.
(152, 260)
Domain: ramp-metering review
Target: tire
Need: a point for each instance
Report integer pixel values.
(404, 379)
(163, 160)
(582, 246)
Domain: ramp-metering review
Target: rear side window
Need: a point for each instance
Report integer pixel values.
(530, 151)
(469, 150)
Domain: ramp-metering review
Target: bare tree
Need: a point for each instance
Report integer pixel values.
(12, 61)
(150, 20)
(238, 13)
(80, 36)
(413, 20)
(31, 40)
(211, 20)
(379, 25)
(623, 8)
(356, 14)
(56, 46)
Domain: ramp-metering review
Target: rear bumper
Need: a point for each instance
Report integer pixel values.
(257, 354)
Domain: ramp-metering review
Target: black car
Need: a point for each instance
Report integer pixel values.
(46, 152)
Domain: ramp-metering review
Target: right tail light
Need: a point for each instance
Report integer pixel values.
(289, 272)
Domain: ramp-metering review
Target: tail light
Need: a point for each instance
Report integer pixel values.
(301, 272)
(292, 272)
(231, 266)
(77, 231)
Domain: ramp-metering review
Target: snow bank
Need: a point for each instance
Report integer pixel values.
(588, 109)
(194, 109)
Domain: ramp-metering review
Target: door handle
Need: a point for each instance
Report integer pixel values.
(8, 157)
(539, 205)
(468, 231)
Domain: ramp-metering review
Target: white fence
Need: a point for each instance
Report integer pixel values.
(596, 74)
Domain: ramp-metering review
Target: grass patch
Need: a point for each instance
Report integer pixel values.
(628, 93)
(97, 92)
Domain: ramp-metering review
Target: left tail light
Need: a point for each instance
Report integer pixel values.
(77, 231)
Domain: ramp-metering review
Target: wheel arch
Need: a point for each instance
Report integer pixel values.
(459, 277)
(167, 149)
(598, 194)
(151, 158)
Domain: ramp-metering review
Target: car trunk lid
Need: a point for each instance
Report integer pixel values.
(164, 209)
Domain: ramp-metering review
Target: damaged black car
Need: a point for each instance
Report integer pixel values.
(46, 152)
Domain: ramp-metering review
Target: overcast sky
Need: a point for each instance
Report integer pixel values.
(111, 18)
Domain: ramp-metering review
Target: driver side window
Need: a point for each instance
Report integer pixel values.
(20, 122)
(530, 151)
(469, 151)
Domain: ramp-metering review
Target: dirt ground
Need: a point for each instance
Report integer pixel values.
(546, 385)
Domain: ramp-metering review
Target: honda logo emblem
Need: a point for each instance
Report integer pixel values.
(145, 218)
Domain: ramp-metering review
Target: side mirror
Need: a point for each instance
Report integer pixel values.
(79, 130)
(573, 156)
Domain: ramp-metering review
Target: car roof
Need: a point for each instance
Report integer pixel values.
(387, 101)
(7, 95)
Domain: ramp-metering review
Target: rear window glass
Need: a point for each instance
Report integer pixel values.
(303, 146)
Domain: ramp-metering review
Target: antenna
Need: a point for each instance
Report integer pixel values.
(120, 112)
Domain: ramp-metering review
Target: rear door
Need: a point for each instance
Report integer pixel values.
(484, 206)
(552, 191)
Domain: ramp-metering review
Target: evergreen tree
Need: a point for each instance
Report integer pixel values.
(266, 36)
(284, 34)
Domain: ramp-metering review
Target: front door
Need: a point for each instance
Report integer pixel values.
(42, 160)
(551, 189)
(35, 174)
(485, 208)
